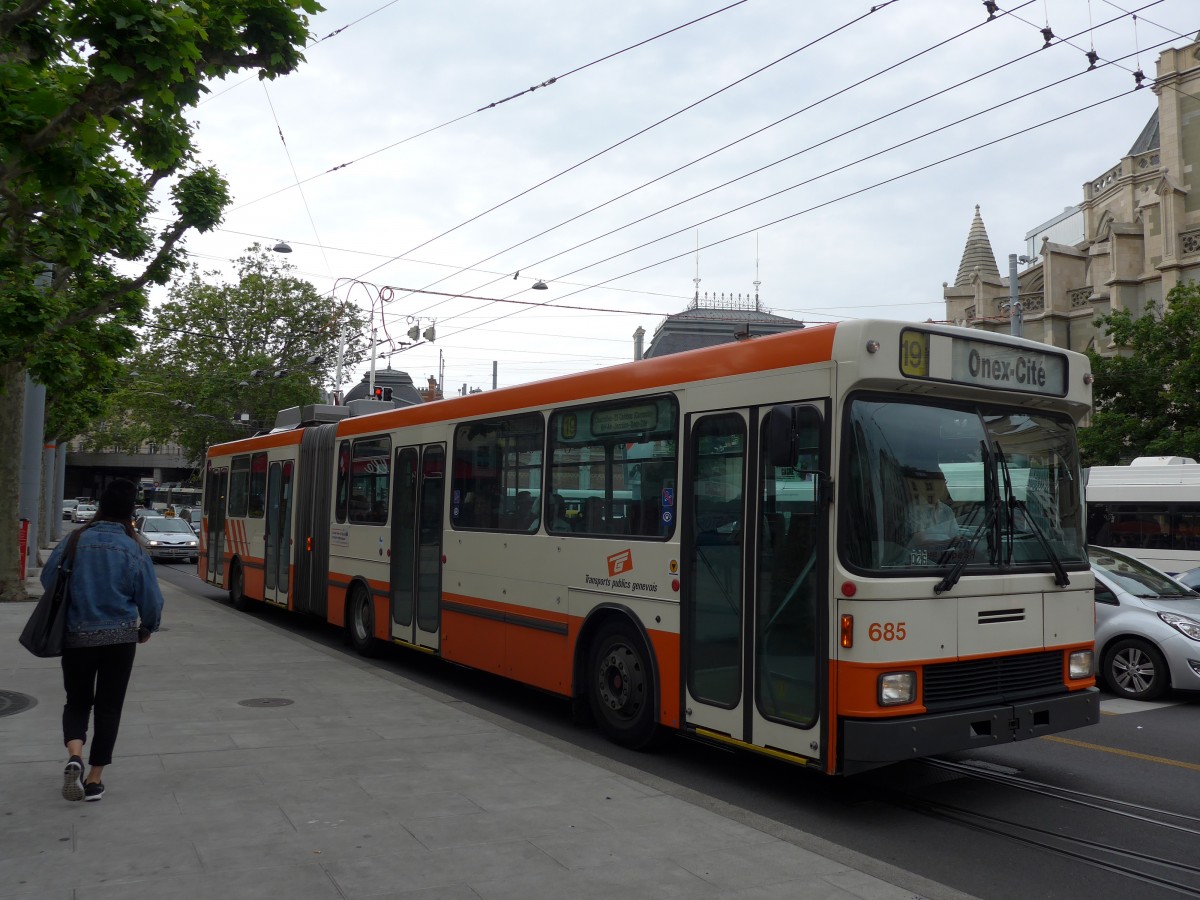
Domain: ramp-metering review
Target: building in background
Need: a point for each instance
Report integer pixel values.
(1134, 236)
(709, 321)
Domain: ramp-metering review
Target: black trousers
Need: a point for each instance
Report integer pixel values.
(96, 677)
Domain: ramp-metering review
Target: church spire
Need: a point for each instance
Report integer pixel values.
(977, 254)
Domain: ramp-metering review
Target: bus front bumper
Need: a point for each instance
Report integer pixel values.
(869, 743)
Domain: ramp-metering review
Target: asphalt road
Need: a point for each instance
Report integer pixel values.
(1009, 824)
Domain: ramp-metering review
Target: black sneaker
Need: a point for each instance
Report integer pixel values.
(72, 788)
(93, 790)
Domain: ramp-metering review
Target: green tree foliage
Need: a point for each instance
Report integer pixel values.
(93, 140)
(195, 370)
(1147, 397)
(92, 102)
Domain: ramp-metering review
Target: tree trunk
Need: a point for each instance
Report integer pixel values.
(12, 418)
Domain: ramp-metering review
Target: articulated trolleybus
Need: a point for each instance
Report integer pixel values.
(843, 546)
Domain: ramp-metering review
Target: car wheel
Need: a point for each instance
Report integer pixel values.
(360, 622)
(620, 686)
(1135, 669)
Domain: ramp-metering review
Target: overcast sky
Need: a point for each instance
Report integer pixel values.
(410, 180)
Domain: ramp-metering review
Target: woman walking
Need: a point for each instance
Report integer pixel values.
(115, 604)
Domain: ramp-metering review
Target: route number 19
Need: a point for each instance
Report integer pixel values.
(914, 354)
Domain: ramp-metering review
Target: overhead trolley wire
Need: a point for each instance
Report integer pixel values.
(492, 105)
(790, 216)
(733, 143)
(331, 34)
(639, 133)
(793, 156)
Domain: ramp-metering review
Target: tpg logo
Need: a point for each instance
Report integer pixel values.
(620, 562)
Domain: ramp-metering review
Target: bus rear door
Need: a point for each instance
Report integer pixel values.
(416, 560)
(215, 492)
(752, 569)
(277, 561)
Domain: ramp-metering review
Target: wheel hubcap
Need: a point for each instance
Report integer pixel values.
(1133, 671)
(621, 681)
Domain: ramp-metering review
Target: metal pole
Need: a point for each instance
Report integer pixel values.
(29, 493)
(337, 378)
(60, 485)
(371, 384)
(495, 372)
(1015, 316)
(51, 507)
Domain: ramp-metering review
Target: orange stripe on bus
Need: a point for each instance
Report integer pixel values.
(793, 348)
(263, 442)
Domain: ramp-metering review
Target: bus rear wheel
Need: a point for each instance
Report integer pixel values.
(237, 588)
(620, 686)
(360, 622)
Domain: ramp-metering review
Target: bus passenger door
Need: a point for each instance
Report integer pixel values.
(752, 553)
(214, 527)
(278, 533)
(416, 561)
(714, 573)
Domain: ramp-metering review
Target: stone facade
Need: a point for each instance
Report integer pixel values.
(1141, 233)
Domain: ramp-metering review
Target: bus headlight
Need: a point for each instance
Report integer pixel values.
(897, 688)
(1080, 664)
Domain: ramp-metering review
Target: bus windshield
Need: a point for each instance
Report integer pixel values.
(940, 487)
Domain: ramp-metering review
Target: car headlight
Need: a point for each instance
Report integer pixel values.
(1189, 628)
(191, 543)
(154, 543)
(1079, 665)
(897, 688)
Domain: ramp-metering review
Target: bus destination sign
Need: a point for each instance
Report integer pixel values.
(922, 355)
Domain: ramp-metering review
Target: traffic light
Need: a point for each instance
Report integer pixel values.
(383, 393)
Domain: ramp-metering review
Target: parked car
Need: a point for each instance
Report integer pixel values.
(69, 508)
(165, 538)
(1147, 628)
(83, 512)
(1191, 578)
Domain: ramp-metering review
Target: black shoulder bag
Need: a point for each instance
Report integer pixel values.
(46, 631)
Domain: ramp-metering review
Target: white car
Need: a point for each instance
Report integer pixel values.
(68, 508)
(1147, 628)
(165, 537)
(84, 512)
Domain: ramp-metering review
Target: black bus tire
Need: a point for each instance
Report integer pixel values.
(360, 622)
(237, 588)
(620, 685)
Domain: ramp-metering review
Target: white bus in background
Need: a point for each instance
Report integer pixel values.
(1149, 508)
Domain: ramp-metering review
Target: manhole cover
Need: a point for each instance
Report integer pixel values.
(266, 701)
(12, 703)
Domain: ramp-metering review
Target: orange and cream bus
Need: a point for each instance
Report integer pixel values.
(842, 546)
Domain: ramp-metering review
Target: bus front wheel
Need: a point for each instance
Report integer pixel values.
(360, 622)
(620, 685)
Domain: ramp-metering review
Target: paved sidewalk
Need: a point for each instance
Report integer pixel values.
(366, 785)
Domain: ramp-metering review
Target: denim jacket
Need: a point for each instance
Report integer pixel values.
(113, 585)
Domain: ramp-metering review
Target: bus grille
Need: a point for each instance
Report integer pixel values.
(980, 682)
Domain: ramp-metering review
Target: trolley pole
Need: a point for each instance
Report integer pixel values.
(1016, 316)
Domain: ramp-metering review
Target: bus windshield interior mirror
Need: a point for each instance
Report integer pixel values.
(791, 432)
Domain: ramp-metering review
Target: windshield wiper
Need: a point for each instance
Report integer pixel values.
(1013, 502)
(966, 551)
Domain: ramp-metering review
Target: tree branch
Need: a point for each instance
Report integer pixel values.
(20, 15)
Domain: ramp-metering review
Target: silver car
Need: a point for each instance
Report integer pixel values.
(84, 512)
(167, 538)
(1147, 628)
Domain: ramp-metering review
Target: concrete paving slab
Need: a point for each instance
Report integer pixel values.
(366, 785)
